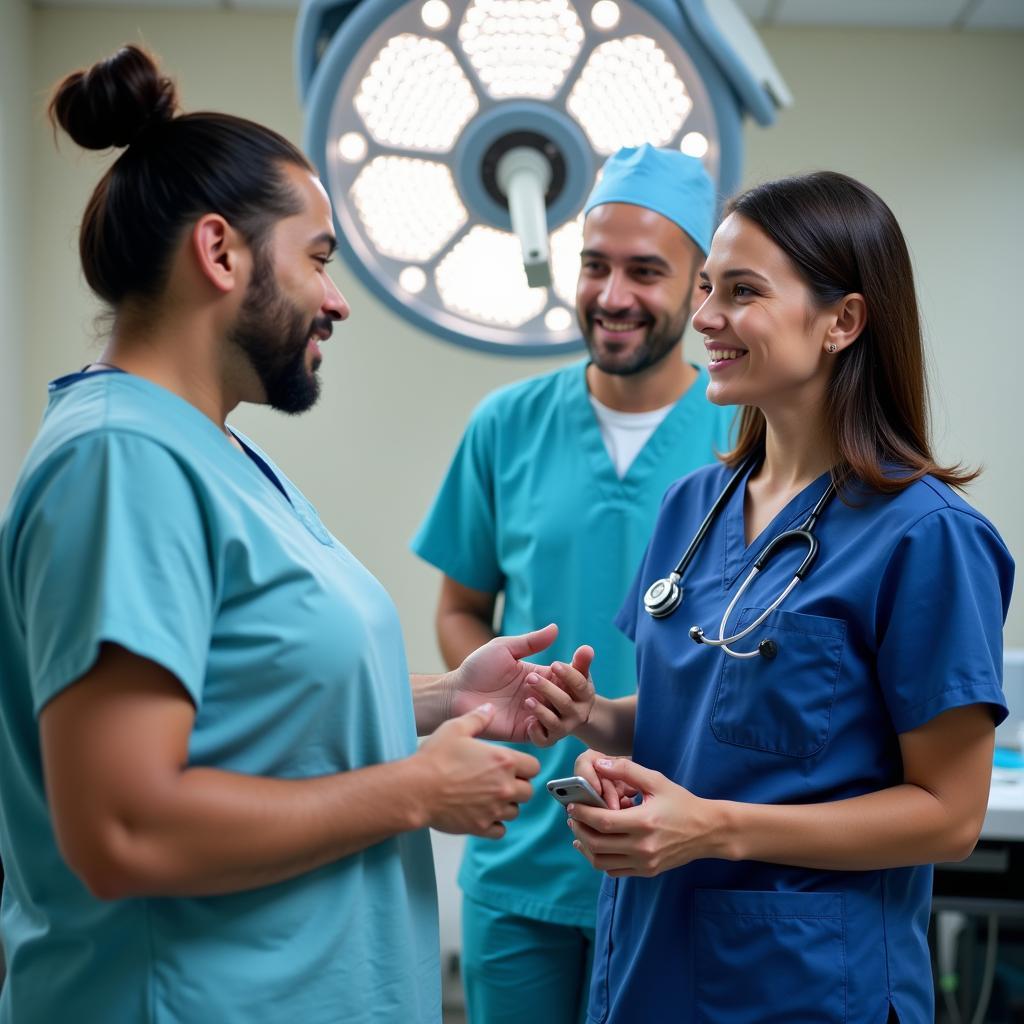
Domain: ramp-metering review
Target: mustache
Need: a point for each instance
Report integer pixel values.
(618, 314)
(322, 326)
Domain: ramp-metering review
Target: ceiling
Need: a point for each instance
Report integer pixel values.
(937, 14)
(948, 14)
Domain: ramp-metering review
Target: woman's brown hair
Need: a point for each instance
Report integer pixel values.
(842, 238)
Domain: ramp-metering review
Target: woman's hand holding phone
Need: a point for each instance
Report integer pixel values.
(616, 794)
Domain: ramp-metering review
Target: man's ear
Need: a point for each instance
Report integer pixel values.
(220, 252)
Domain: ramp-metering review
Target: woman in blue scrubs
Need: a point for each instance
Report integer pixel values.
(767, 850)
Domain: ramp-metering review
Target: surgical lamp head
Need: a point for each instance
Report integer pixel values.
(458, 140)
(663, 180)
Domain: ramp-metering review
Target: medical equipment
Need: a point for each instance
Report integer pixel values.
(665, 595)
(458, 140)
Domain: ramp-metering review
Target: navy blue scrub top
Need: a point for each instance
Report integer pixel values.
(899, 620)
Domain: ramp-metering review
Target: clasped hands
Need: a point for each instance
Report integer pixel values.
(533, 703)
(651, 824)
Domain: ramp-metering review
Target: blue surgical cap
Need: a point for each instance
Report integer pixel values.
(663, 180)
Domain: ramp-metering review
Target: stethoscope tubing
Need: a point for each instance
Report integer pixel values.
(665, 595)
(724, 641)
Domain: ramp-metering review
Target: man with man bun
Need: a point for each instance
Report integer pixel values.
(212, 804)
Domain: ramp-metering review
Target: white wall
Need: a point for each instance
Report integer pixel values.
(15, 86)
(932, 120)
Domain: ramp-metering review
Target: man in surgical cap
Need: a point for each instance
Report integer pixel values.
(549, 501)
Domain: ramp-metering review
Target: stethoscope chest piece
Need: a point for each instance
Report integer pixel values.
(663, 597)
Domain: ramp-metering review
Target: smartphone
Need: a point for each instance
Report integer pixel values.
(575, 790)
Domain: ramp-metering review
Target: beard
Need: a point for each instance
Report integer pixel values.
(663, 336)
(274, 333)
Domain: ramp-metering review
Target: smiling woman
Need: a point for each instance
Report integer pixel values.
(828, 247)
(781, 810)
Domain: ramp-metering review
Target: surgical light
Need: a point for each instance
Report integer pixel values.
(557, 319)
(412, 279)
(694, 144)
(629, 93)
(352, 147)
(605, 14)
(435, 14)
(458, 139)
(499, 295)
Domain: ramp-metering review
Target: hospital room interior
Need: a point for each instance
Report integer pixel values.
(919, 99)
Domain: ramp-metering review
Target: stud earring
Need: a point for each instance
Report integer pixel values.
(831, 347)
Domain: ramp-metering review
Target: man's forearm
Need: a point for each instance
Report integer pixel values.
(458, 635)
(213, 831)
(431, 700)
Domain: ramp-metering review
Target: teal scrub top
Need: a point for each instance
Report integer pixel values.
(532, 506)
(135, 521)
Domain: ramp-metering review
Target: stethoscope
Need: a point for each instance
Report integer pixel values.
(664, 596)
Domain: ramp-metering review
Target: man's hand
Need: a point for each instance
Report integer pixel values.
(496, 674)
(474, 786)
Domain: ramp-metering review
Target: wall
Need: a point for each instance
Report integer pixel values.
(932, 120)
(15, 86)
(929, 119)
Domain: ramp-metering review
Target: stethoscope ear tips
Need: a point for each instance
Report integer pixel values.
(697, 634)
(767, 649)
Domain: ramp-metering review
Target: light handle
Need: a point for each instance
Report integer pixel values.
(523, 174)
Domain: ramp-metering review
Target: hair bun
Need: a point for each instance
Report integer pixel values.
(114, 100)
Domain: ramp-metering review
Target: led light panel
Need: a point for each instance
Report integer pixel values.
(415, 95)
(566, 244)
(483, 278)
(521, 47)
(629, 93)
(389, 197)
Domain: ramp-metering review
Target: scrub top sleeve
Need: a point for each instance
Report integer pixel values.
(112, 548)
(459, 534)
(943, 600)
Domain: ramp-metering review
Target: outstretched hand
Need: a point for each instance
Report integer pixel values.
(497, 674)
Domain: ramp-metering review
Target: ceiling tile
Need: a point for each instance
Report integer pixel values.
(882, 13)
(997, 14)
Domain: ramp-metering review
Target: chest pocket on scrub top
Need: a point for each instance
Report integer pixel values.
(784, 705)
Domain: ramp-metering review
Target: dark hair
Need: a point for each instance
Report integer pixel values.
(174, 170)
(842, 238)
